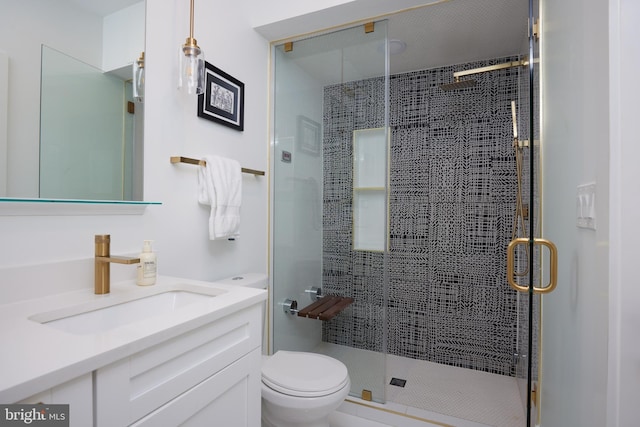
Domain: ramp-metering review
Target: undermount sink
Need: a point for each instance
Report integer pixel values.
(122, 313)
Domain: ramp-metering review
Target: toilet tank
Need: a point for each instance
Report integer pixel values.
(251, 280)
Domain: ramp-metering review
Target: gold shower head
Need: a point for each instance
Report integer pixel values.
(462, 84)
(458, 84)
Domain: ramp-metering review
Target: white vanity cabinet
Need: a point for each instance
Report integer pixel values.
(77, 393)
(209, 375)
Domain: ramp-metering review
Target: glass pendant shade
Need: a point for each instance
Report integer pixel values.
(191, 68)
(138, 78)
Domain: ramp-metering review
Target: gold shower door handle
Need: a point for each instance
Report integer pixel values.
(553, 265)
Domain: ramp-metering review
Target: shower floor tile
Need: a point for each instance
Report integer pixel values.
(466, 394)
(434, 394)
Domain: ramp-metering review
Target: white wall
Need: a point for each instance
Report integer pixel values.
(575, 151)
(624, 347)
(263, 12)
(592, 320)
(123, 37)
(172, 127)
(288, 18)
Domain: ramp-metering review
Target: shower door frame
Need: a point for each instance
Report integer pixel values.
(531, 323)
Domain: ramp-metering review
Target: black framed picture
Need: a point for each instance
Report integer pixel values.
(223, 98)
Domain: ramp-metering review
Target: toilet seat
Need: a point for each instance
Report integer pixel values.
(304, 374)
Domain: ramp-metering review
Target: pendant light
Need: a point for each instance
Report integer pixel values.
(191, 76)
(138, 78)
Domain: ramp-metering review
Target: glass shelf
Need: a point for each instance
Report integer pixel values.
(13, 206)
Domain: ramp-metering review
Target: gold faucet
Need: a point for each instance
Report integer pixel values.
(103, 261)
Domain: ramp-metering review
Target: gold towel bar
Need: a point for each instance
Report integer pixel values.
(180, 159)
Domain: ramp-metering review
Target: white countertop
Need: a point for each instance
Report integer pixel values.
(35, 357)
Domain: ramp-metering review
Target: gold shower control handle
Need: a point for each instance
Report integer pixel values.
(553, 265)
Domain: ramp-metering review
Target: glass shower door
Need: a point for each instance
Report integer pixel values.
(329, 193)
(531, 260)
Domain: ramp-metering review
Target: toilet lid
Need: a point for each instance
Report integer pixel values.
(304, 374)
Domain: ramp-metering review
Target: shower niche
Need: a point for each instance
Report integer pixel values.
(369, 189)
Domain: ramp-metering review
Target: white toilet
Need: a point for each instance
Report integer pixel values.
(299, 389)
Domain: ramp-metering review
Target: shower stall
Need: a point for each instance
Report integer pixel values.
(395, 196)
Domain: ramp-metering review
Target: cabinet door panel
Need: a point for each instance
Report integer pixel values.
(129, 389)
(230, 398)
(76, 393)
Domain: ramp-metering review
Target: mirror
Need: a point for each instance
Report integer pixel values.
(45, 155)
(87, 124)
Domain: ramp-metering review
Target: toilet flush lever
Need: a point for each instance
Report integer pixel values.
(290, 306)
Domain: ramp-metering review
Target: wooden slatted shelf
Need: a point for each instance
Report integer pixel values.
(325, 308)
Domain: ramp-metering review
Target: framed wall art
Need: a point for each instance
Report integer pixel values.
(223, 98)
(308, 136)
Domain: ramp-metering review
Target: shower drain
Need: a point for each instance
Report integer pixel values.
(398, 382)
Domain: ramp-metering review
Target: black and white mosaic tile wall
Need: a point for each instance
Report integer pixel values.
(451, 208)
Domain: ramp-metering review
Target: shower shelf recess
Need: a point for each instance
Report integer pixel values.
(325, 308)
(370, 189)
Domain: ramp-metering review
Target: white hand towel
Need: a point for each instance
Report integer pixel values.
(220, 186)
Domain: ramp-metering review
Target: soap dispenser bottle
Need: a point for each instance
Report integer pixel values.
(148, 267)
